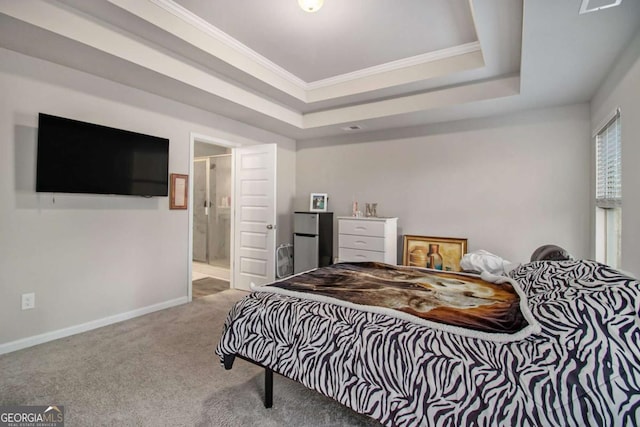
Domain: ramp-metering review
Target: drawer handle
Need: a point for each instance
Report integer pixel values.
(360, 242)
(359, 227)
(360, 256)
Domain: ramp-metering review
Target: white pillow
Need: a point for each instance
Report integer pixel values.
(483, 261)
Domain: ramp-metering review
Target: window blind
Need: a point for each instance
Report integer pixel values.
(609, 165)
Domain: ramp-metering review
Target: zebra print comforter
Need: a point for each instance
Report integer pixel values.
(582, 368)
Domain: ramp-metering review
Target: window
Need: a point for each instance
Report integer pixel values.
(609, 193)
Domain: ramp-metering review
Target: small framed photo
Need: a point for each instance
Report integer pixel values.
(318, 202)
(178, 191)
(439, 253)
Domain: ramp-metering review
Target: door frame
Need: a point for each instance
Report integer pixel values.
(193, 137)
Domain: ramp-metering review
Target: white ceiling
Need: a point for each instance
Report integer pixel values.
(345, 36)
(378, 64)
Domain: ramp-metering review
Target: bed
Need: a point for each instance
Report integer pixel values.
(574, 362)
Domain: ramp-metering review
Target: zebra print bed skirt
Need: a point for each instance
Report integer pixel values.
(583, 368)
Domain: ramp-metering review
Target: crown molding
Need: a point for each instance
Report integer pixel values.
(396, 65)
(410, 74)
(213, 31)
(189, 28)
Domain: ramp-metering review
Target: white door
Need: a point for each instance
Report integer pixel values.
(255, 215)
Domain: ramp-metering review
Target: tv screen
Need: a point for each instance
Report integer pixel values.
(80, 157)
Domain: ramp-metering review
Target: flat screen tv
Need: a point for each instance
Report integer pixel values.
(80, 157)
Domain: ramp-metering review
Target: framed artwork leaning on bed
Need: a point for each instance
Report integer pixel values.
(439, 253)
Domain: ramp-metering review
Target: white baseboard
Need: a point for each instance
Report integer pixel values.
(94, 324)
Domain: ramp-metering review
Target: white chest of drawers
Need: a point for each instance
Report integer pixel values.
(368, 239)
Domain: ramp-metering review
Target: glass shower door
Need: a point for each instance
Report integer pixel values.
(200, 217)
(220, 212)
(212, 210)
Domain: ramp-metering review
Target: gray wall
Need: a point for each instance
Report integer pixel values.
(91, 257)
(509, 184)
(621, 90)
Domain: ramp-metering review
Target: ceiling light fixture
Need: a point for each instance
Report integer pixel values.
(310, 5)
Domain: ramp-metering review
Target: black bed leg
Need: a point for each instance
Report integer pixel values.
(268, 388)
(228, 361)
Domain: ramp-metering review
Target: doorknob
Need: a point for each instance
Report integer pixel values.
(270, 226)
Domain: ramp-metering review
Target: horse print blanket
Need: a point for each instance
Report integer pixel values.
(492, 309)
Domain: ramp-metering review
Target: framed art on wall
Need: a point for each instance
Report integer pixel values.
(439, 253)
(318, 202)
(178, 191)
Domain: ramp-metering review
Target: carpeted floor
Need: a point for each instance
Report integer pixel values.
(208, 286)
(160, 370)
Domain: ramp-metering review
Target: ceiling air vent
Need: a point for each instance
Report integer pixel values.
(352, 128)
(595, 5)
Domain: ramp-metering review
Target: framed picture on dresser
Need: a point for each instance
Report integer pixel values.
(439, 253)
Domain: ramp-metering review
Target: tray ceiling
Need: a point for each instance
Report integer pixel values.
(369, 63)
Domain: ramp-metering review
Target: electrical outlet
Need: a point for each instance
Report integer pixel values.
(28, 301)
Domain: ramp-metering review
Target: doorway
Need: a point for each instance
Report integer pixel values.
(211, 220)
(253, 195)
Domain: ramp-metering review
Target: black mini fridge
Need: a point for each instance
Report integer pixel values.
(312, 240)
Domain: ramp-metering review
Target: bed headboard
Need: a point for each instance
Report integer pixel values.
(550, 253)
